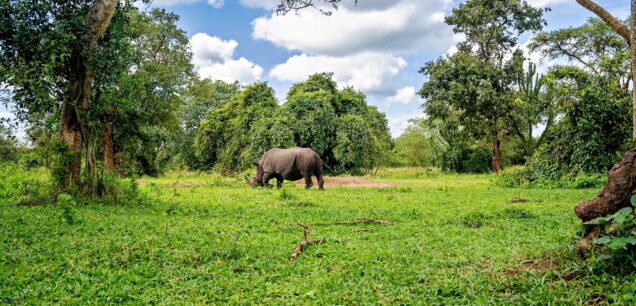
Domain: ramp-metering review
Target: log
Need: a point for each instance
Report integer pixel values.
(365, 220)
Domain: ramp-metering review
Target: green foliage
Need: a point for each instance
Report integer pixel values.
(313, 119)
(418, 146)
(202, 95)
(224, 138)
(466, 160)
(530, 177)
(618, 232)
(338, 125)
(595, 128)
(354, 149)
(8, 146)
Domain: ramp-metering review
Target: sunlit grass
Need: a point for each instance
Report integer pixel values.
(205, 239)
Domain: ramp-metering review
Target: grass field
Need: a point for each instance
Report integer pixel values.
(204, 239)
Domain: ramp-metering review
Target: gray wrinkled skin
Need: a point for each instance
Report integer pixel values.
(288, 164)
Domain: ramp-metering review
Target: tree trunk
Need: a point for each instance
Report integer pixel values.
(496, 154)
(70, 122)
(79, 89)
(109, 163)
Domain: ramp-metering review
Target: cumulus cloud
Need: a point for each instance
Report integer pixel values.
(207, 49)
(405, 95)
(367, 71)
(371, 26)
(213, 57)
(240, 70)
(214, 3)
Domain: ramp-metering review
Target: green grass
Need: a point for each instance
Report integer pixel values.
(203, 239)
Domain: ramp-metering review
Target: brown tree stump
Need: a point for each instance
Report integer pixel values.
(617, 193)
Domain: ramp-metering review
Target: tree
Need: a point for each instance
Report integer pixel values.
(594, 46)
(535, 103)
(628, 33)
(140, 113)
(223, 138)
(419, 145)
(201, 96)
(476, 82)
(52, 53)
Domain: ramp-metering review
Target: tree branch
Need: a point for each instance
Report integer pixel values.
(616, 25)
(99, 16)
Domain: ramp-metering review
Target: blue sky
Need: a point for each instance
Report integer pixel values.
(377, 46)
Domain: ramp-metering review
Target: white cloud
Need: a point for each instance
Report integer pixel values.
(207, 50)
(240, 70)
(546, 3)
(214, 3)
(213, 57)
(367, 71)
(372, 26)
(405, 95)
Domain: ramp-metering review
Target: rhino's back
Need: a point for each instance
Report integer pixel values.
(292, 163)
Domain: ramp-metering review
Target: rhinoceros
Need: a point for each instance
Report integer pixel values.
(288, 164)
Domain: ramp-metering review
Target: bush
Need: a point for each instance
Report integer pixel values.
(466, 160)
(23, 187)
(531, 177)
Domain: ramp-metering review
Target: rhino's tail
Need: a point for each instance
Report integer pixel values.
(325, 164)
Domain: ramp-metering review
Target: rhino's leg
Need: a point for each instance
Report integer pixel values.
(308, 182)
(266, 177)
(321, 181)
(279, 182)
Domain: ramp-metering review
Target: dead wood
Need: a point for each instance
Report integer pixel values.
(361, 230)
(305, 243)
(176, 279)
(365, 220)
(519, 200)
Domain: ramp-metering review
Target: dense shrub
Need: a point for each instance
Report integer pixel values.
(530, 177)
(466, 160)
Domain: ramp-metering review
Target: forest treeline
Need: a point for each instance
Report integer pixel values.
(145, 110)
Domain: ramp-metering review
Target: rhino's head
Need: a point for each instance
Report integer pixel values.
(257, 179)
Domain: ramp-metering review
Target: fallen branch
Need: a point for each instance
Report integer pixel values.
(176, 279)
(365, 220)
(305, 243)
(361, 230)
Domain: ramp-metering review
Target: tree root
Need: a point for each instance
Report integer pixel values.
(365, 220)
(305, 243)
(621, 184)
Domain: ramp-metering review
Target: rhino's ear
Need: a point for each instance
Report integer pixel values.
(255, 163)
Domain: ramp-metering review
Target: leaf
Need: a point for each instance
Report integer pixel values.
(598, 221)
(620, 219)
(618, 243)
(633, 200)
(603, 240)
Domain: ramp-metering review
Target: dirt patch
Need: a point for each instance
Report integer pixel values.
(347, 182)
(519, 200)
(539, 265)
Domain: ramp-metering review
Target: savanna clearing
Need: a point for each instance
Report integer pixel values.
(206, 239)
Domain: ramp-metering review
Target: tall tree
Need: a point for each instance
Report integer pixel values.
(492, 30)
(52, 52)
(628, 33)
